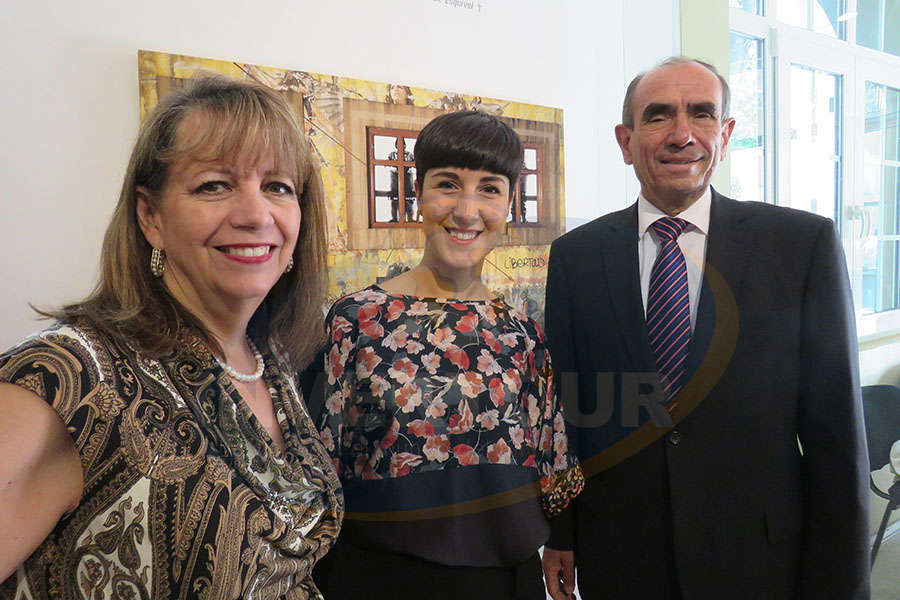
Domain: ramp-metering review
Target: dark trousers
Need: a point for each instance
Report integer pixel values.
(349, 572)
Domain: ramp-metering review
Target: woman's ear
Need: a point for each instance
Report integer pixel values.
(148, 217)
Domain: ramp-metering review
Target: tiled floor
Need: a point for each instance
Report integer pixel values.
(886, 574)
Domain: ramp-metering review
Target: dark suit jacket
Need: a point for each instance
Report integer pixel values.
(725, 504)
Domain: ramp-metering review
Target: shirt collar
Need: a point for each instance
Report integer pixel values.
(697, 214)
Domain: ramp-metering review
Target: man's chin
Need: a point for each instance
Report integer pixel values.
(686, 186)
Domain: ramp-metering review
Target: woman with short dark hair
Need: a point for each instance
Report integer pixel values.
(440, 412)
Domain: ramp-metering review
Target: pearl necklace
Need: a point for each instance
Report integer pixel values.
(234, 374)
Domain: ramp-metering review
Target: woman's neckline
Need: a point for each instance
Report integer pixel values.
(496, 299)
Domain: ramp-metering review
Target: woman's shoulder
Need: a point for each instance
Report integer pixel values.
(68, 342)
(534, 328)
(60, 364)
(348, 306)
(520, 318)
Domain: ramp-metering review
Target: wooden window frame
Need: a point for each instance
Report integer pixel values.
(516, 208)
(400, 135)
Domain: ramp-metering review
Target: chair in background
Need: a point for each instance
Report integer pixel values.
(881, 405)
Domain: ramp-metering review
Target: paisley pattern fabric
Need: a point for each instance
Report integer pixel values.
(185, 495)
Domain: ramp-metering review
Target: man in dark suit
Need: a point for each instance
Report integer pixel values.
(707, 360)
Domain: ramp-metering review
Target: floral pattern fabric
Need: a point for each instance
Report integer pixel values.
(185, 496)
(417, 385)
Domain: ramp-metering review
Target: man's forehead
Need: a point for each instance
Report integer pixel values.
(680, 84)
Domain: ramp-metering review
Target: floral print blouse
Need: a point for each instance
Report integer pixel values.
(441, 391)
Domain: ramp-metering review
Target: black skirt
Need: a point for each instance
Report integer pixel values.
(349, 572)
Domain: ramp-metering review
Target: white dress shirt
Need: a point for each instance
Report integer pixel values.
(692, 243)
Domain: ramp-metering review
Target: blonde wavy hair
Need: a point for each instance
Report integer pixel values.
(128, 304)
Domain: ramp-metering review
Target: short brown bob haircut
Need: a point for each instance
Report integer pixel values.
(130, 305)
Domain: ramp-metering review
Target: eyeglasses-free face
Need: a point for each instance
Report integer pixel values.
(464, 214)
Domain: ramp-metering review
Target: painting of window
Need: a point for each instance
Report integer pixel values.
(363, 135)
(392, 176)
(379, 177)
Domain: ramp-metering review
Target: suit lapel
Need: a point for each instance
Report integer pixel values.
(620, 260)
(726, 254)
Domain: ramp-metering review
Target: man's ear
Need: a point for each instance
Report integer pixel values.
(148, 217)
(727, 129)
(623, 136)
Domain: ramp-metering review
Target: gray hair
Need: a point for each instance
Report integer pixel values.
(628, 109)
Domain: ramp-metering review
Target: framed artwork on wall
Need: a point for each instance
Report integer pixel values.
(364, 134)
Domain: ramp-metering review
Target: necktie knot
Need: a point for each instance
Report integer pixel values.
(669, 228)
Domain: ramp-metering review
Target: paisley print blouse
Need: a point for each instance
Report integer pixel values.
(185, 495)
(438, 410)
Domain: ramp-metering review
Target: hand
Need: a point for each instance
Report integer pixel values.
(559, 573)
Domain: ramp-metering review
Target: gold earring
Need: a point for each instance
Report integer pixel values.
(290, 265)
(157, 262)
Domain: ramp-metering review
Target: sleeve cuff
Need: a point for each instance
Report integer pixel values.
(562, 529)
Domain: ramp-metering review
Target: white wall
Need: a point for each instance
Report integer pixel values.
(647, 41)
(69, 96)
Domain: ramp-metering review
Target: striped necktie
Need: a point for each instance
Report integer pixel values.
(669, 307)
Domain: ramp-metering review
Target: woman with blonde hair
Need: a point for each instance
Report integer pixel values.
(154, 440)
